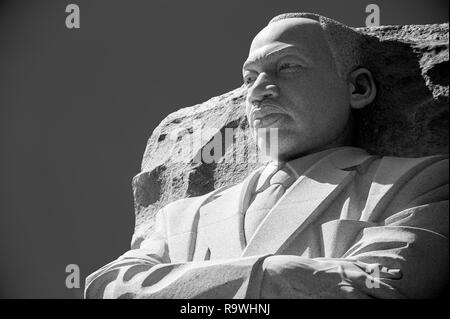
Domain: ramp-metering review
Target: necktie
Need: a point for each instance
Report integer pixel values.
(277, 180)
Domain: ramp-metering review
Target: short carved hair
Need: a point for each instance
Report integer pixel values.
(344, 42)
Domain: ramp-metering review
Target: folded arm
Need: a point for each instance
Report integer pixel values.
(404, 258)
(148, 272)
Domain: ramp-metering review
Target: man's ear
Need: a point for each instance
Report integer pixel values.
(362, 88)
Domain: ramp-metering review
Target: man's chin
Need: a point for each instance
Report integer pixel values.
(272, 145)
(279, 151)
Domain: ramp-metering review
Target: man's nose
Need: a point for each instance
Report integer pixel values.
(263, 88)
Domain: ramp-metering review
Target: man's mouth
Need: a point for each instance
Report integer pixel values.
(266, 116)
(267, 121)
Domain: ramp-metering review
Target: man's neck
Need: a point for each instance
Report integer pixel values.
(301, 164)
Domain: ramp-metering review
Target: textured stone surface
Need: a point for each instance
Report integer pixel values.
(409, 118)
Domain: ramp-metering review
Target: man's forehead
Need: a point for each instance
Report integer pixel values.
(306, 35)
(292, 30)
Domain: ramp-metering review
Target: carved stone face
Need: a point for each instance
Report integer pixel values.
(294, 86)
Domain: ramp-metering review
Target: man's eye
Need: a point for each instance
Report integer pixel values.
(289, 67)
(248, 80)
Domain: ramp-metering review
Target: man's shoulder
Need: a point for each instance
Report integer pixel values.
(180, 215)
(192, 203)
(391, 168)
(221, 192)
(399, 183)
(352, 157)
(414, 176)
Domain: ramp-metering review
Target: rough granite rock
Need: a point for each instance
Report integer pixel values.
(409, 118)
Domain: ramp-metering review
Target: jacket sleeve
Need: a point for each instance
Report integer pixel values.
(409, 245)
(148, 272)
(412, 237)
(402, 255)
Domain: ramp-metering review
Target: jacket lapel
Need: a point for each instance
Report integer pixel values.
(222, 220)
(392, 174)
(305, 200)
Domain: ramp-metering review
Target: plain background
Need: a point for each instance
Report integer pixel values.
(77, 108)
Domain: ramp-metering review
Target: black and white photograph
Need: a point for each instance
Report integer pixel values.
(224, 150)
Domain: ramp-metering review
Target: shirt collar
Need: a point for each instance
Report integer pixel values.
(297, 166)
(300, 165)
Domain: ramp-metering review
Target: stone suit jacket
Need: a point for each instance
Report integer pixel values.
(348, 209)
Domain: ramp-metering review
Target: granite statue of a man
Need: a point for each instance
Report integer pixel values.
(324, 219)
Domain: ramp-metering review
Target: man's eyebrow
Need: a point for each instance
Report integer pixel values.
(273, 56)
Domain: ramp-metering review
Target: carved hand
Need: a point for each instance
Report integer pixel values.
(287, 276)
